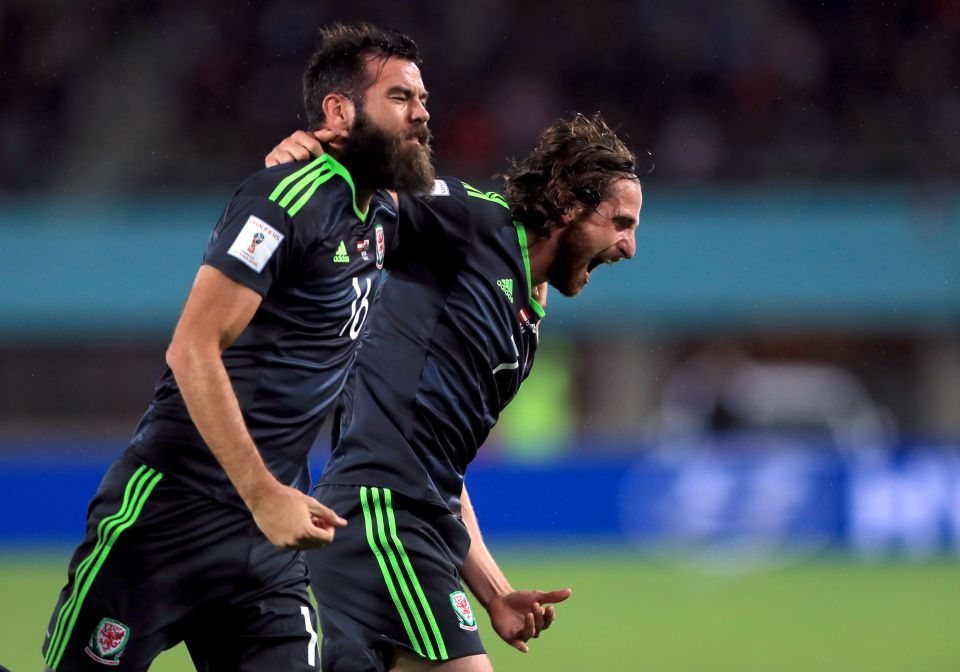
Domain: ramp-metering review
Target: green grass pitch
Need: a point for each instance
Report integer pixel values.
(630, 613)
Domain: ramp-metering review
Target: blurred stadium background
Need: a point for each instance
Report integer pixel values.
(742, 450)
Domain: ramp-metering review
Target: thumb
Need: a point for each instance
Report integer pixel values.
(554, 596)
(319, 512)
(540, 294)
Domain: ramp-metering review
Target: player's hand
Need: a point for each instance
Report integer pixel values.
(299, 146)
(523, 614)
(291, 519)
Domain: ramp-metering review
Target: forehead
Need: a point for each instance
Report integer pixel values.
(625, 199)
(393, 71)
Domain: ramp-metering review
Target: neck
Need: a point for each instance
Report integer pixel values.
(541, 251)
(364, 192)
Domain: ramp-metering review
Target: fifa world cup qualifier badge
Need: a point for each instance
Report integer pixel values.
(462, 608)
(108, 641)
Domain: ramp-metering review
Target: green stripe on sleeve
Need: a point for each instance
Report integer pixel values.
(302, 184)
(295, 208)
(316, 163)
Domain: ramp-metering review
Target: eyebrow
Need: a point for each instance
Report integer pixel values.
(625, 221)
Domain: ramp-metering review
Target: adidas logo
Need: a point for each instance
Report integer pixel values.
(507, 286)
(341, 256)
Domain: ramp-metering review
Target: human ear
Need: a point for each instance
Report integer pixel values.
(571, 208)
(339, 113)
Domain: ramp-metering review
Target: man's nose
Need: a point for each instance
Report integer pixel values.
(419, 112)
(628, 245)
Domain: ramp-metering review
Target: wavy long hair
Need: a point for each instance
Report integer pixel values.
(576, 161)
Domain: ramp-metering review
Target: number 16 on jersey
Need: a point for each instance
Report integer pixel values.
(358, 310)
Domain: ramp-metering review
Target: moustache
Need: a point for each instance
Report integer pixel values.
(421, 134)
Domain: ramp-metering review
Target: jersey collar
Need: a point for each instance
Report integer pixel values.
(522, 238)
(339, 169)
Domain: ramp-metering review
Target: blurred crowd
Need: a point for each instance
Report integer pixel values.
(175, 95)
(149, 98)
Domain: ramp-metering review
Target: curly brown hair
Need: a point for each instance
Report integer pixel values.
(576, 160)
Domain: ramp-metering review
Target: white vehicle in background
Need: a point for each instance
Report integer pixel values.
(753, 460)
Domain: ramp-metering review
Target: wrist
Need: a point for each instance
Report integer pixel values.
(496, 596)
(257, 488)
(490, 592)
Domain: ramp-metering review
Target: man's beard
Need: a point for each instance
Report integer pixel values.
(377, 159)
(566, 272)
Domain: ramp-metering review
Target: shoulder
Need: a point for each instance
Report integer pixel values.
(444, 210)
(301, 186)
(487, 211)
(451, 193)
(455, 211)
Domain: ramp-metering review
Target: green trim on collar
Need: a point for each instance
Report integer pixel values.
(340, 170)
(303, 183)
(522, 237)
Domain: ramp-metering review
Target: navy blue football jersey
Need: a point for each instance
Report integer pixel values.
(455, 335)
(293, 234)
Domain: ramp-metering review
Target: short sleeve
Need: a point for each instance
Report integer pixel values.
(251, 243)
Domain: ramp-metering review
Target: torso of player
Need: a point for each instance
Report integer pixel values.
(295, 236)
(454, 337)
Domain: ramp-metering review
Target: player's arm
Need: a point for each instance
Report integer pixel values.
(299, 146)
(302, 145)
(218, 309)
(516, 615)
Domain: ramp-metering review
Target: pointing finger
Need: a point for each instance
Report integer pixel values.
(325, 515)
(554, 596)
